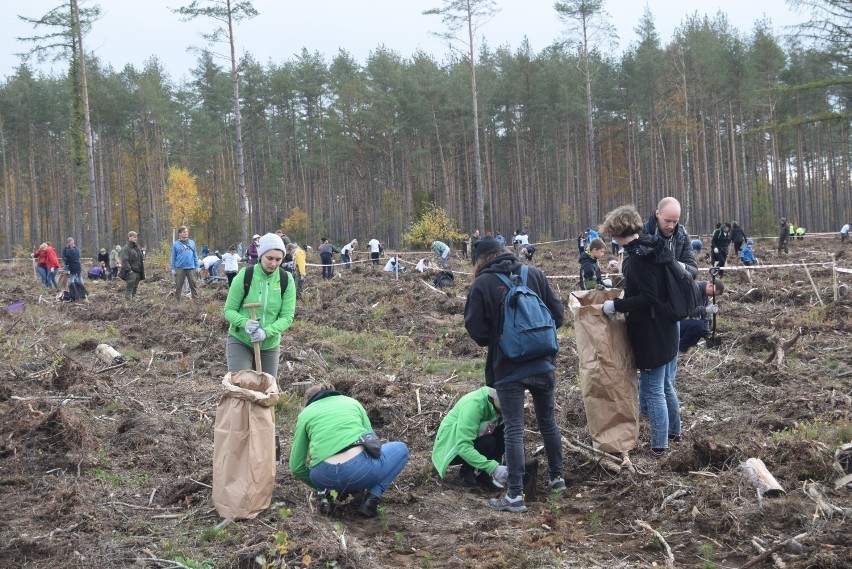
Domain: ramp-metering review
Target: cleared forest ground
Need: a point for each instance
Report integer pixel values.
(112, 467)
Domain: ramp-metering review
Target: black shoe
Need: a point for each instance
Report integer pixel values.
(467, 477)
(484, 479)
(370, 506)
(326, 502)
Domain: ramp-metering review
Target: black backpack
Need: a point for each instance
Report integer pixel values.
(444, 279)
(680, 295)
(76, 291)
(250, 272)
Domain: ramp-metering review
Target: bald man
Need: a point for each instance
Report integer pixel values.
(665, 224)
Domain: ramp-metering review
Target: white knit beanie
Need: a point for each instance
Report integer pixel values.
(268, 242)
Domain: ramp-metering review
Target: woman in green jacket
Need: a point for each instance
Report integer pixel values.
(274, 290)
(471, 435)
(327, 453)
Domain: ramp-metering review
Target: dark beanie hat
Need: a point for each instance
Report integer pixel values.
(485, 245)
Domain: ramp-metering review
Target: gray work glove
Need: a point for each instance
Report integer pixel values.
(501, 475)
(716, 250)
(258, 336)
(609, 308)
(712, 309)
(251, 326)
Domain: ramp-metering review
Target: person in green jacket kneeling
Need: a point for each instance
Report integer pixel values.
(471, 435)
(330, 452)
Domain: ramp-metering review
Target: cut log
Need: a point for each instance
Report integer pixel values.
(109, 355)
(756, 472)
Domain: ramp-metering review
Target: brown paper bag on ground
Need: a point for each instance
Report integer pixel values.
(607, 373)
(244, 445)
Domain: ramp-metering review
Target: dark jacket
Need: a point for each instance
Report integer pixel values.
(590, 272)
(700, 291)
(678, 243)
(653, 336)
(483, 318)
(737, 234)
(721, 240)
(131, 259)
(71, 257)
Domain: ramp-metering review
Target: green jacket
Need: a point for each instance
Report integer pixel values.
(275, 314)
(471, 416)
(323, 429)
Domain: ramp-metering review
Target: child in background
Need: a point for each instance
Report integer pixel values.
(590, 271)
(747, 255)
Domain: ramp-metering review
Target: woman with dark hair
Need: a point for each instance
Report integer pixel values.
(330, 450)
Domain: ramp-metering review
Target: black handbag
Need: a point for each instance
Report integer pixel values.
(372, 443)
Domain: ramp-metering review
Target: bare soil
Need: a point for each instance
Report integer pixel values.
(104, 466)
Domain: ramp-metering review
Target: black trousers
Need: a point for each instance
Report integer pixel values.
(490, 446)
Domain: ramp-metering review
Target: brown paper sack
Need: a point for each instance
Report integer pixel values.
(244, 445)
(607, 372)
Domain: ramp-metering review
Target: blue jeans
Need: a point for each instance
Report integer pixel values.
(643, 405)
(344, 258)
(75, 278)
(362, 472)
(42, 274)
(657, 393)
(511, 396)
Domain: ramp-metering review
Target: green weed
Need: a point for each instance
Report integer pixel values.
(832, 433)
(104, 476)
(594, 523)
(707, 555)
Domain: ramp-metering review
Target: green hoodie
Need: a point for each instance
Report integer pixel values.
(471, 416)
(275, 313)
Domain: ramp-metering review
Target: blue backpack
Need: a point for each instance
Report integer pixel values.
(529, 330)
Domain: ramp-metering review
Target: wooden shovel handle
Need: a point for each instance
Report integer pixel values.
(251, 306)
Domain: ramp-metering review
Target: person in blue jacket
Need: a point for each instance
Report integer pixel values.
(71, 258)
(184, 262)
(274, 316)
(747, 254)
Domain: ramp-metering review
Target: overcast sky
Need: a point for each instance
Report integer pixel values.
(131, 31)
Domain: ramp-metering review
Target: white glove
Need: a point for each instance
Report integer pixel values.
(609, 308)
(607, 283)
(682, 265)
(258, 336)
(501, 475)
(251, 326)
(712, 309)
(716, 250)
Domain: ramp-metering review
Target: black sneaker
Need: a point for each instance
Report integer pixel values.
(557, 485)
(468, 478)
(675, 438)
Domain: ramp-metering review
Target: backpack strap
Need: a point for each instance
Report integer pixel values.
(282, 274)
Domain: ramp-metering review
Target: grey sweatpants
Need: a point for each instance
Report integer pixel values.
(241, 357)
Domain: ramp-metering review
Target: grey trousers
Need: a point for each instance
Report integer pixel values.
(241, 357)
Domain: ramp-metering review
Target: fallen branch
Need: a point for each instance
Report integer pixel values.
(793, 541)
(663, 543)
(778, 354)
(50, 398)
(673, 496)
(607, 461)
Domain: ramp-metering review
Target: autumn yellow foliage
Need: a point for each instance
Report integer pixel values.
(433, 224)
(185, 207)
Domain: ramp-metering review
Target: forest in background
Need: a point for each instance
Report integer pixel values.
(738, 125)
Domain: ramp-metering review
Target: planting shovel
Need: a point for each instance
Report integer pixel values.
(712, 341)
(251, 306)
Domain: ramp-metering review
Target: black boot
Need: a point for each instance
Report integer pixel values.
(370, 506)
(467, 476)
